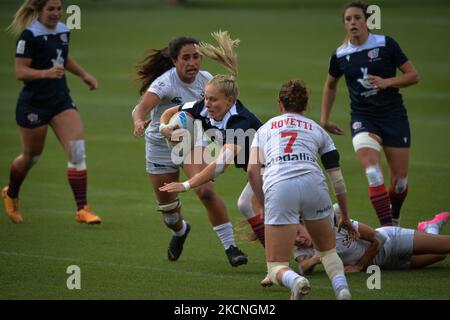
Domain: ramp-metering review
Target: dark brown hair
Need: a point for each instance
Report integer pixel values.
(159, 61)
(357, 4)
(294, 95)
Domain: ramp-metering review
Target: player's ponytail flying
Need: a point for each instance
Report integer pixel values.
(27, 12)
(225, 55)
(159, 61)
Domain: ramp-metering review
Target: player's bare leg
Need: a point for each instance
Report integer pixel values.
(68, 128)
(33, 141)
(398, 161)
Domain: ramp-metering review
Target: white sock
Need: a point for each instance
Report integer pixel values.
(288, 278)
(433, 228)
(226, 234)
(182, 231)
(339, 282)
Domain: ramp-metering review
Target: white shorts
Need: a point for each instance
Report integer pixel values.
(159, 155)
(305, 195)
(158, 159)
(398, 248)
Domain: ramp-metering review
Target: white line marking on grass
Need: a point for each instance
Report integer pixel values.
(241, 276)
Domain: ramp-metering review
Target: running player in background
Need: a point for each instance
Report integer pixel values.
(232, 125)
(378, 116)
(294, 186)
(42, 57)
(171, 76)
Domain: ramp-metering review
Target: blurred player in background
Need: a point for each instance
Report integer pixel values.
(171, 76)
(378, 116)
(293, 186)
(230, 123)
(42, 57)
(386, 247)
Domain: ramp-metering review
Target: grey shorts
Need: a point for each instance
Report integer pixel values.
(163, 159)
(306, 196)
(398, 248)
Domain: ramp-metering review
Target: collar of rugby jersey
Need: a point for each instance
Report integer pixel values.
(38, 29)
(373, 41)
(222, 124)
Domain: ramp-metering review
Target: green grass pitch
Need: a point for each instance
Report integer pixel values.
(125, 257)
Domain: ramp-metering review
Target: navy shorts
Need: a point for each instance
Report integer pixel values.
(393, 130)
(32, 116)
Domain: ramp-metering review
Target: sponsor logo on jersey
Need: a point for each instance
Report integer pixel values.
(291, 157)
(372, 90)
(21, 47)
(59, 61)
(177, 100)
(63, 37)
(372, 54)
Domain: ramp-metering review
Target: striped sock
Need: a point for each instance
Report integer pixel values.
(397, 201)
(78, 183)
(258, 227)
(382, 204)
(16, 178)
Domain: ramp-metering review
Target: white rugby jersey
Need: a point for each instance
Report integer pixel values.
(290, 144)
(351, 253)
(173, 91)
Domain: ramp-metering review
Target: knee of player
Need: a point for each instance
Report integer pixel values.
(31, 159)
(244, 204)
(205, 194)
(77, 158)
(170, 211)
(374, 175)
(400, 184)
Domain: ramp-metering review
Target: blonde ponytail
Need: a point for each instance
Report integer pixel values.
(224, 53)
(27, 12)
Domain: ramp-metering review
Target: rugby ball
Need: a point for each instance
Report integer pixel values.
(183, 138)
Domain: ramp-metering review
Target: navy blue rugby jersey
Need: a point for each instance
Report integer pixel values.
(379, 56)
(238, 127)
(46, 48)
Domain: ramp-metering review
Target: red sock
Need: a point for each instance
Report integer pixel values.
(78, 183)
(16, 178)
(382, 204)
(258, 227)
(397, 201)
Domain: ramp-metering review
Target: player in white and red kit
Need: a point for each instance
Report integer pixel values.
(294, 186)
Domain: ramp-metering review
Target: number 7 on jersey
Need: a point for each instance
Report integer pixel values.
(293, 135)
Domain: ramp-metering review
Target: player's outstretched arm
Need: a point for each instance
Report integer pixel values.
(215, 168)
(328, 97)
(254, 174)
(149, 101)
